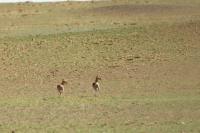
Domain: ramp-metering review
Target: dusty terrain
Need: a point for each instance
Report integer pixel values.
(147, 54)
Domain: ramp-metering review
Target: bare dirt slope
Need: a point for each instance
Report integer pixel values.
(147, 57)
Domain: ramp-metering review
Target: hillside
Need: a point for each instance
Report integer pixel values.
(147, 54)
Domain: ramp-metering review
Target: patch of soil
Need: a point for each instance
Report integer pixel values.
(135, 9)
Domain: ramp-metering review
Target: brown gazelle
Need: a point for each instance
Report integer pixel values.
(61, 87)
(95, 84)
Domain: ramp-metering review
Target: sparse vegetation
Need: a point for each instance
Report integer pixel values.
(147, 53)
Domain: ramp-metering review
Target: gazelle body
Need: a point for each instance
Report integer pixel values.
(61, 87)
(95, 84)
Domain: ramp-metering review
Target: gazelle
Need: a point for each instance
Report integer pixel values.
(95, 84)
(61, 87)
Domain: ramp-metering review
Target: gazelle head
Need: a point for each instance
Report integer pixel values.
(97, 78)
(64, 82)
